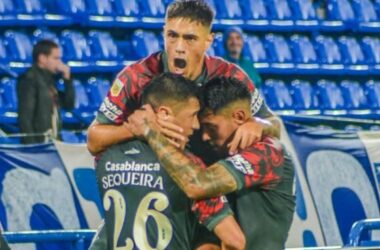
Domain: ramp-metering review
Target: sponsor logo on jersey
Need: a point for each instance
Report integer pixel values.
(110, 110)
(116, 88)
(256, 101)
(241, 164)
(132, 151)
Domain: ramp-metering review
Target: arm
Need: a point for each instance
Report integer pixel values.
(26, 94)
(67, 97)
(230, 233)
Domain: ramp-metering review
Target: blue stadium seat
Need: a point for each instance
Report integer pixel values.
(371, 48)
(19, 49)
(330, 97)
(352, 53)
(304, 96)
(280, 12)
(127, 10)
(372, 90)
(304, 52)
(144, 43)
(75, 9)
(366, 15)
(100, 12)
(257, 51)
(255, 12)
(340, 10)
(277, 95)
(42, 34)
(218, 45)
(354, 95)
(152, 9)
(230, 9)
(69, 136)
(3, 52)
(97, 89)
(82, 136)
(303, 10)
(9, 99)
(7, 13)
(104, 50)
(329, 54)
(76, 50)
(30, 12)
(280, 52)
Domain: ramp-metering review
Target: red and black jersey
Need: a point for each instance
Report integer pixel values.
(124, 96)
(264, 203)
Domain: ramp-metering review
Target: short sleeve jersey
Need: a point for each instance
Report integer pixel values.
(144, 208)
(264, 203)
(125, 94)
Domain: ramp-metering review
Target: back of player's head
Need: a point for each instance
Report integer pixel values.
(194, 10)
(43, 47)
(220, 92)
(168, 88)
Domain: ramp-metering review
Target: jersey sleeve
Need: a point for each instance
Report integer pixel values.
(122, 98)
(258, 105)
(260, 166)
(211, 211)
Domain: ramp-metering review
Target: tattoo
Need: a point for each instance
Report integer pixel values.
(195, 180)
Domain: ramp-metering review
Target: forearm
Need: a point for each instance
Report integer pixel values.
(102, 136)
(271, 126)
(195, 181)
(230, 233)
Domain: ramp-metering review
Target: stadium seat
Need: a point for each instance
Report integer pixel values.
(304, 96)
(304, 52)
(72, 9)
(372, 90)
(340, 10)
(255, 12)
(76, 50)
(3, 52)
(303, 10)
(42, 34)
(100, 12)
(69, 136)
(352, 53)
(218, 45)
(30, 12)
(277, 95)
(366, 15)
(104, 50)
(257, 51)
(97, 89)
(371, 48)
(9, 99)
(19, 49)
(7, 13)
(354, 95)
(144, 43)
(328, 53)
(330, 96)
(152, 9)
(230, 9)
(127, 10)
(279, 51)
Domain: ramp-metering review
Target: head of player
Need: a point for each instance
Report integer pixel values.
(172, 94)
(187, 36)
(226, 107)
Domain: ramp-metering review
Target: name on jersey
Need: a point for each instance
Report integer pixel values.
(256, 101)
(110, 110)
(241, 164)
(132, 173)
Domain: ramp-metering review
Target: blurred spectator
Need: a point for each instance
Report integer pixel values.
(39, 99)
(234, 42)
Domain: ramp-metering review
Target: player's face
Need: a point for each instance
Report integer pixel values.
(217, 130)
(186, 43)
(186, 116)
(234, 44)
(51, 61)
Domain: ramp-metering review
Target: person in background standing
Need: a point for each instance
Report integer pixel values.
(38, 97)
(233, 42)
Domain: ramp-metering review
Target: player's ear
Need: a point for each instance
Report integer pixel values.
(164, 111)
(210, 39)
(239, 116)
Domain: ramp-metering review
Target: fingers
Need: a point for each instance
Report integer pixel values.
(233, 145)
(172, 134)
(169, 125)
(174, 143)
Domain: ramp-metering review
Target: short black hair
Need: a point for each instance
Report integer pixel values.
(43, 47)
(195, 10)
(169, 87)
(221, 91)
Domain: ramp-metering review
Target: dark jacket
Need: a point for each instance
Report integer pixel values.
(37, 95)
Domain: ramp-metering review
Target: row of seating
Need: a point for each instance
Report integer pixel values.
(98, 51)
(324, 97)
(287, 14)
(89, 96)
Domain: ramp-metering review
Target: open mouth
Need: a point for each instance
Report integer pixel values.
(180, 63)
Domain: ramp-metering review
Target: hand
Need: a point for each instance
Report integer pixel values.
(141, 121)
(64, 69)
(245, 136)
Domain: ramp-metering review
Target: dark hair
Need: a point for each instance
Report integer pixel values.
(195, 10)
(43, 47)
(169, 86)
(221, 91)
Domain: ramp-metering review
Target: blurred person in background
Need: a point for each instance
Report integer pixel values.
(233, 41)
(39, 100)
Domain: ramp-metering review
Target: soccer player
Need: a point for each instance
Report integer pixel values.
(261, 175)
(144, 208)
(187, 36)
